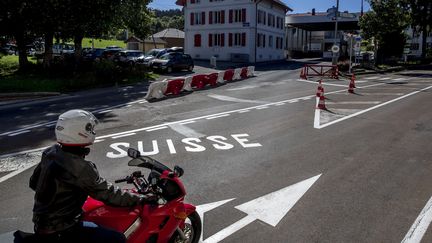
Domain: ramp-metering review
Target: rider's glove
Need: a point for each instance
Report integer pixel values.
(149, 198)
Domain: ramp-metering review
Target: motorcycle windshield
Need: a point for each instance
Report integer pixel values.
(149, 163)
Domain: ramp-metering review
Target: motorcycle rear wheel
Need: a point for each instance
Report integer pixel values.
(192, 230)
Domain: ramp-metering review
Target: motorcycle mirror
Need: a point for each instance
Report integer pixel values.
(178, 170)
(133, 153)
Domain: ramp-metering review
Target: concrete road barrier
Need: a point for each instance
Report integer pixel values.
(156, 90)
(244, 72)
(212, 79)
(228, 75)
(175, 86)
(237, 73)
(220, 78)
(187, 83)
(199, 81)
(251, 71)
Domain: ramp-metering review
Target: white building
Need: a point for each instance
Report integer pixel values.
(235, 30)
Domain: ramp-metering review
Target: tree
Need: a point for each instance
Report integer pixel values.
(385, 24)
(420, 12)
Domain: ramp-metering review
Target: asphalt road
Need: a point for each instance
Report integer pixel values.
(363, 165)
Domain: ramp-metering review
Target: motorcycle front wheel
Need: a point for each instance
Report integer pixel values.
(191, 230)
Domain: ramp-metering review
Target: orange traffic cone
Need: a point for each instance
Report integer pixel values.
(321, 103)
(319, 92)
(351, 87)
(353, 80)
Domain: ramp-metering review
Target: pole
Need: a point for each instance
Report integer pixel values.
(334, 61)
(351, 47)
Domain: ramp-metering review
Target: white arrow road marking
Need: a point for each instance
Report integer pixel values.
(421, 224)
(201, 209)
(270, 208)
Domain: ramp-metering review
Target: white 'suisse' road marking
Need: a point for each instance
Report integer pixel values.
(186, 131)
(421, 224)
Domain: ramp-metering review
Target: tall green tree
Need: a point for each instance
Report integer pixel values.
(385, 24)
(420, 12)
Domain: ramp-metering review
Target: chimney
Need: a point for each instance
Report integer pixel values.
(313, 11)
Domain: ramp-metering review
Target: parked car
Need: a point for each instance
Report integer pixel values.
(9, 49)
(113, 47)
(63, 49)
(153, 54)
(93, 54)
(110, 53)
(176, 49)
(129, 57)
(173, 61)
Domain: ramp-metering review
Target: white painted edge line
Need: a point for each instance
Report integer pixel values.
(104, 111)
(214, 117)
(324, 83)
(99, 140)
(372, 108)
(421, 224)
(16, 172)
(18, 133)
(244, 111)
(188, 122)
(28, 127)
(124, 135)
(156, 128)
(317, 114)
(373, 77)
(354, 103)
(293, 101)
(22, 152)
(262, 108)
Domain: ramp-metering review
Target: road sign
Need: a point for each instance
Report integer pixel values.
(335, 49)
(270, 208)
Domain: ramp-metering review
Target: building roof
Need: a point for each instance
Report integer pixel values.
(323, 21)
(170, 33)
(279, 2)
(147, 40)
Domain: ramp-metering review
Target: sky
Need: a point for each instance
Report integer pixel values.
(299, 6)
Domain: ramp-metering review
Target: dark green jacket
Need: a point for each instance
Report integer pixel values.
(62, 181)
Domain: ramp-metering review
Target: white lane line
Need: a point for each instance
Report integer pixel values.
(317, 114)
(307, 98)
(124, 135)
(156, 128)
(186, 131)
(188, 122)
(232, 99)
(142, 102)
(383, 94)
(99, 140)
(354, 103)
(372, 108)
(18, 133)
(244, 111)
(324, 83)
(399, 79)
(382, 79)
(244, 87)
(104, 111)
(421, 224)
(262, 108)
(16, 172)
(279, 104)
(293, 101)
(373, 77)
(219, 116)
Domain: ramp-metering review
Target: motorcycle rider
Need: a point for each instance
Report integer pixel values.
(64, 179)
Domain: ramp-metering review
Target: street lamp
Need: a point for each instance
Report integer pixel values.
(334, 60)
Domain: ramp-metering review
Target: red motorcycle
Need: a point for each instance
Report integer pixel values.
(171, 220)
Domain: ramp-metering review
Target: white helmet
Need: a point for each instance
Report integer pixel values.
(76, 128)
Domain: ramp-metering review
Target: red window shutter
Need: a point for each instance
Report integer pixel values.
(243, 15)
(243, 39)
(222, 15)
(222, 36)
(203, 17)
(210, 40)
(230, 39)
(192, 19)
(230, 15)
(211, 17)
(197, 40)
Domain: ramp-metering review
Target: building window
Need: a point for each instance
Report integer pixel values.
(261, 40)
(197, 40)
(195, 1)
(197, 18)
(216, 40)
(271, 20)
(261, 17)
(237, 15)
(279, 43)
(217, 17)
(270, 43)
(237, 39)
(415, 46)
